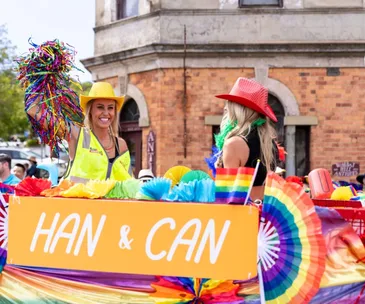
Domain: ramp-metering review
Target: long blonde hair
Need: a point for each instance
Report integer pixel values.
(245, 117)
(113, 128)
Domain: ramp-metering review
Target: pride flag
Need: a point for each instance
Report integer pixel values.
(6, 189)
(232, 184)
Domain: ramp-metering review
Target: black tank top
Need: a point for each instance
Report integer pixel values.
(253, 142)
(116, 151)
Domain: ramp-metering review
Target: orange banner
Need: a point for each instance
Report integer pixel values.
(173, 239)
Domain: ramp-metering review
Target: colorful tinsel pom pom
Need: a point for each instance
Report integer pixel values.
(44, 74)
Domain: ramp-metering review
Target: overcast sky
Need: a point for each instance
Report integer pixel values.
(70, 21)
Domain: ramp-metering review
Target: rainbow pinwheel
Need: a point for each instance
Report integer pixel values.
(171, 290)
(3, 223)
(292, 250)
(3, 231)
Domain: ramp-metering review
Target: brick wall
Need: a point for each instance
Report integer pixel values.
(164, 92)
(337, 101)
(339, 104)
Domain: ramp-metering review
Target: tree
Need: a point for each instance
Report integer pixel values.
(85, 88)
(13, 119)
(12, 116)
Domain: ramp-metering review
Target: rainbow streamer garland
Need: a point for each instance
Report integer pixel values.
(232, 184)
(44, 74)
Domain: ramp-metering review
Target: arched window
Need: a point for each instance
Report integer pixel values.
(130, 131)
(279, 111)
(130, 111)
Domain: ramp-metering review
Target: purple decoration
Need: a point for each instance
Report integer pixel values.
(109, 279)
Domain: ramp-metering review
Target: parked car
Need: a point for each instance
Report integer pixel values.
(21, 155)
(4, 144)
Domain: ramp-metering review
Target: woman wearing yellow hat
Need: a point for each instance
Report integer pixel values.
(95, 150)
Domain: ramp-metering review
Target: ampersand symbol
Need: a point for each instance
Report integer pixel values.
(124, 242)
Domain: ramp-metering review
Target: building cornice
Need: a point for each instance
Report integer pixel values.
(333, 49)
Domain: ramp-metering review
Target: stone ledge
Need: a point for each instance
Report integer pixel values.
(300, 121)
(213, 120)
(333, 3)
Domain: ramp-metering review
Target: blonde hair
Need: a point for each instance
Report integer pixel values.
(245, 117)
(113, 128)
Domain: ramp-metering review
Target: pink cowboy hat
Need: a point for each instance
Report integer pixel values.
(252, 95)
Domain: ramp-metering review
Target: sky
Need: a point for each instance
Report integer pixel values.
(70, 21)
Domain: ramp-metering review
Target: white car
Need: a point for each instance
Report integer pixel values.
(21, 155)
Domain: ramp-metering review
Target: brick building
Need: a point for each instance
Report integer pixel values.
(308, 53)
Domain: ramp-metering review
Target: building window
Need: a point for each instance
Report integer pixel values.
(278, 109)
(130, 131)
(130, 111)
(245, 3)
(215, 130)
(302, 151)
(127, 8)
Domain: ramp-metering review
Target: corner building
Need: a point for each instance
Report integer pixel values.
(171, 57)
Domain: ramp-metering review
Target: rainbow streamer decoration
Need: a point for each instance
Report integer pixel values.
(233, 184)
(171, 290)
(292, 250)
(44, 74)
(19, 285)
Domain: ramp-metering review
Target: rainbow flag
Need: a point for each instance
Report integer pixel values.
(6, 189)
(232, 184)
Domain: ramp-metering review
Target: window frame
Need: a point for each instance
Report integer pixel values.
(129, 104)
(121, 10)
(242, 4)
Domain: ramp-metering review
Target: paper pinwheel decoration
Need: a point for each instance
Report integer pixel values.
(292, 250)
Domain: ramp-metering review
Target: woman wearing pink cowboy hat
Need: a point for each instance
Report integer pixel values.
(247, 133)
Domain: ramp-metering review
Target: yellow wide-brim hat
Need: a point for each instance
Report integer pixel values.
(102, 90)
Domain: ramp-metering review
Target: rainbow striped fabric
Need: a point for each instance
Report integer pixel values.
(232, 184)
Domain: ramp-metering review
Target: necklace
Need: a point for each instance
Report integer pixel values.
(111, 146)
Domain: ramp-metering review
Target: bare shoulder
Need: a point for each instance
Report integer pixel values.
(122, 145)
(236, 143)
(235, 152)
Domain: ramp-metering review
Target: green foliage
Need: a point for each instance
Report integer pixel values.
(12, 116)
(84, 90)
(13, 119)
(32, 142)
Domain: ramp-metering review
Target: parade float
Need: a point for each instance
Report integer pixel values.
(180, 238)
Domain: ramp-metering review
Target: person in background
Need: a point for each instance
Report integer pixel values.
(19, 171)
(145, 175)
(32, 171)
(280, 171)
(361, 179)
(5, 175)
